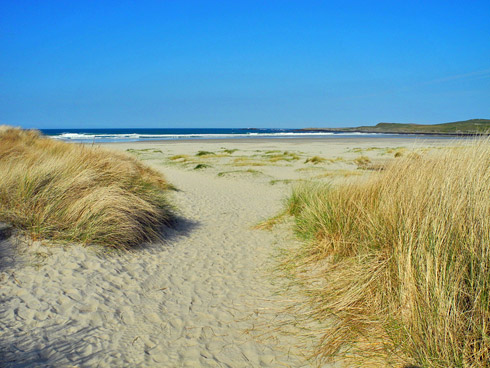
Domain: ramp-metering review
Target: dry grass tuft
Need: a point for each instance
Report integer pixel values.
(247, 161)
(338, 173)
(362, 162)
(398, 266)
(315, 160)
(69, 192)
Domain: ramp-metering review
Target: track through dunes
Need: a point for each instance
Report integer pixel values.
(184, 303)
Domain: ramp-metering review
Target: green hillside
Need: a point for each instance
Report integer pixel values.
(466, 127)
(473, 126)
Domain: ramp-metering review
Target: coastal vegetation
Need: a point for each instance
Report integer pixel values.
(201, 166)
(397, 266)
(315, 160)
(76, 193)
(467, 127)
(232, 172)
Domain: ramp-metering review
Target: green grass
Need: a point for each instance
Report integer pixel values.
(205, 153)
(282, 181)
(201, 166)
(181, 158)
(284, 156)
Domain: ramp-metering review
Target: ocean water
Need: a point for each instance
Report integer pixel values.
(135, 135)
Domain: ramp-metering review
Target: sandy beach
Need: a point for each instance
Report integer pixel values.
(204, 297)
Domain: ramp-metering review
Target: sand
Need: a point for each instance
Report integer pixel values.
(205, 296)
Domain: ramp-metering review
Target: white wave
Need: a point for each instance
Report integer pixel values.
(80, 137)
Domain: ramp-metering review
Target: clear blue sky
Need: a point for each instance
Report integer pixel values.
(86, 64)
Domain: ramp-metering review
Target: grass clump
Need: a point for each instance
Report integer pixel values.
(362, 162)
(398, 266)
(284, 156)
(282, 181)
(201, 166)
(315, 160)
(180, 158)
(205, 153)
(230, 151)
(74, 193)
(247, 161)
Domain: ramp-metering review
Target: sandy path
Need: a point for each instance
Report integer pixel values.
(185, 303)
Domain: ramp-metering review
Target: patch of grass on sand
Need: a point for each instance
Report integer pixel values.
(338, 173)
(282, 181)
(315, 160)
(249, 171)
(311, 169)
(395, 151)
(247, 161)
(230, 151)
(270, 222)
(201, 166)
(180, 158)
(398, 265)
(75, 193)
(284, 156)
(335, 159)
(145, 153)
(143, 150)
(362, 150)
(205, 153)
(362, 162)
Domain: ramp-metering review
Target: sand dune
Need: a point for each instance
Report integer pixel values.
(185, 302)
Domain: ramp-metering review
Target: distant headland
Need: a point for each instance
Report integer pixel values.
(466, 127)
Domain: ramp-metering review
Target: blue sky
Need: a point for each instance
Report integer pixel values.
(88, 64)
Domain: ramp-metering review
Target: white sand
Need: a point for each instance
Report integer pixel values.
(186, 302)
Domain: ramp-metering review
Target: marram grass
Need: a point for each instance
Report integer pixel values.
(398, 266)
(75, 193)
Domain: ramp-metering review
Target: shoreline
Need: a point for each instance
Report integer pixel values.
(281, 140)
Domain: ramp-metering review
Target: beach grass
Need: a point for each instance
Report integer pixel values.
(232, 172)
(362, 162)
(75, 193)
(201, 166)
(230, 151)
(273, 156)
(180, 158)
(338, 173)
(247, 161)
(397, 266)
(315, 160)
(205, 153)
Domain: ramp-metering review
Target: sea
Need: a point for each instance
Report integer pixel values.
(141, 134)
